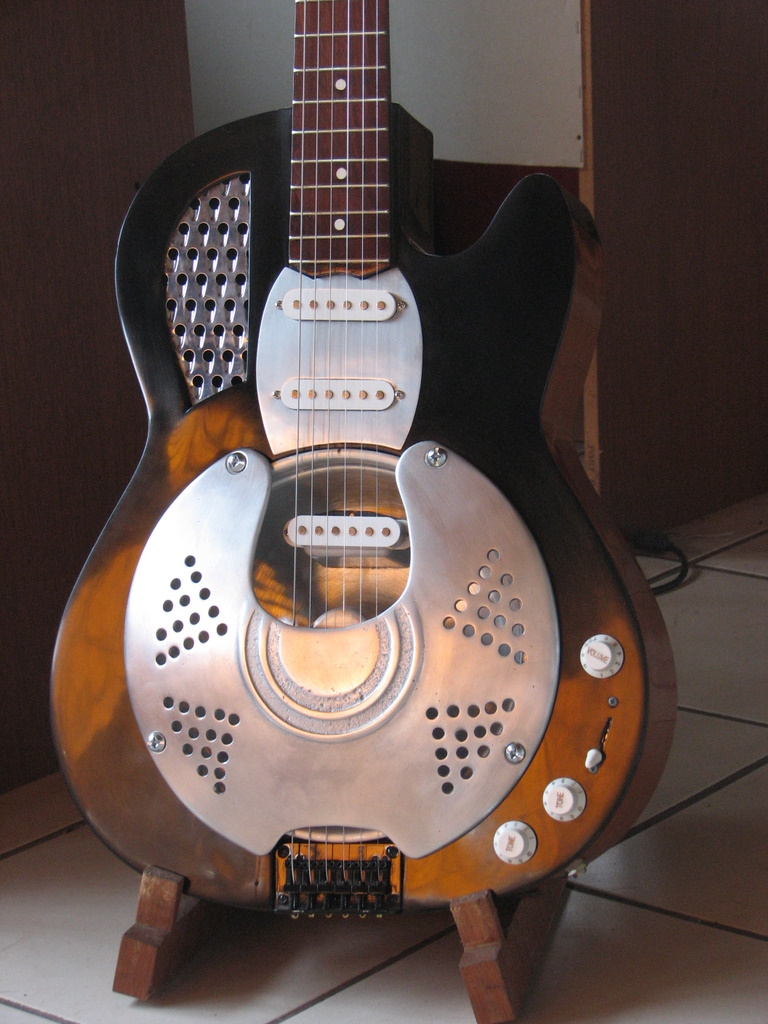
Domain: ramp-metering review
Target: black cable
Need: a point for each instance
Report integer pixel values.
(652, 542)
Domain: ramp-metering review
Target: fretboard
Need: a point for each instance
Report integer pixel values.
(340, 198)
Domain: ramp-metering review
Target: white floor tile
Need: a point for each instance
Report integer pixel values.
(721, 529)
(13, 1015)
(751, 557)
(705, 750)
(613, 964)
(64, 905)
(708, 861)
(653, 567)
(718, 626)
(606, 964)
(34, 811)
(425, 988)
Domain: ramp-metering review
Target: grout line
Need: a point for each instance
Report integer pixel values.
(728, 572)
(727, 547)
(723, 717)
(691, 800)
(41, 1014)
(696, 559)
(364, 975)
(587, 890)
(72, 827)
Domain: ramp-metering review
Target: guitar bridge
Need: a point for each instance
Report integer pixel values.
(319, 875)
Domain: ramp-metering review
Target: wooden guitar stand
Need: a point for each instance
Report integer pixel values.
(170, 927)
(502, 943)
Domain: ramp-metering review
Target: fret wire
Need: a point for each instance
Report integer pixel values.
(339, 186)
(334, 131)
(333, 35)
(331, 238)
(341, 160)
(348, 261)
(338, 68)
(329, 213)
(340, 99)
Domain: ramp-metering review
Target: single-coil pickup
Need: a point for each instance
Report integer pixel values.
(338, 304)
(336, 534)
(337, 394)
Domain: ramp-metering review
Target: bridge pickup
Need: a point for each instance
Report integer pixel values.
(337, 394)
(337, 536)
(339, 304)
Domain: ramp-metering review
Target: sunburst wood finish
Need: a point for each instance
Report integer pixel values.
(508, 329)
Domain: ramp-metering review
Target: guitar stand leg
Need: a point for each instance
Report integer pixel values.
(500, 957)
(170, 927)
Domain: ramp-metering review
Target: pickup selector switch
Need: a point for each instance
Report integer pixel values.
(602, 656)
(515, 842)
(564, 799)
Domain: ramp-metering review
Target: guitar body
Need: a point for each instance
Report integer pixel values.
(452, 730)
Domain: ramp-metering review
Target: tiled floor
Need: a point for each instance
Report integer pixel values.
(670, 926)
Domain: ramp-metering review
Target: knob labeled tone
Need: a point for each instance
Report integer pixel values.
(515, 842)
(602, 656)
(564, 799)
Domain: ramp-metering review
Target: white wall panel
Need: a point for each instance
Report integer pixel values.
(497, 81)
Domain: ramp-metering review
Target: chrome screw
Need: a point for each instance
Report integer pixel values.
(236, 462)
(156, 742)
(436, 457)
(613, 702)
(514, 753)
(399, 395)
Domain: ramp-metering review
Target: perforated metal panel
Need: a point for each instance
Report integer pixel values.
(207, 289)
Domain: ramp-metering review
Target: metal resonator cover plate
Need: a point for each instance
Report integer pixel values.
(397, 724)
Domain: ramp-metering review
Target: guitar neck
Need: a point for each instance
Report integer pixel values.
(340, 180)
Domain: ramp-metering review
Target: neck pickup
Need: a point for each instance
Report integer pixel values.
(340, 184)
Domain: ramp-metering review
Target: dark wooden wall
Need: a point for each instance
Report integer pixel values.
(94, 95)
(680, 104)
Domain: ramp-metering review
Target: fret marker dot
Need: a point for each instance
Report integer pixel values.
(341, 84)
(339, 224)
(341, 173)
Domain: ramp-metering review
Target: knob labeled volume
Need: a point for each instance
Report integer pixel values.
(602, 656)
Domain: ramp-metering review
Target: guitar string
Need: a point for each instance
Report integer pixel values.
(316, 323)
(359, 332)
(300, 42)
(364, 175)
(300, 38)
(376, 207)
(363, 155)
(315, 328)
(345, 358)
(346, 329)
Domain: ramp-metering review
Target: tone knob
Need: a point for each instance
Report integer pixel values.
(602, 656)
(564, 799)
(515, 842)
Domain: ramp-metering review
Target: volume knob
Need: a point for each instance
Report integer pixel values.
(602, 656)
